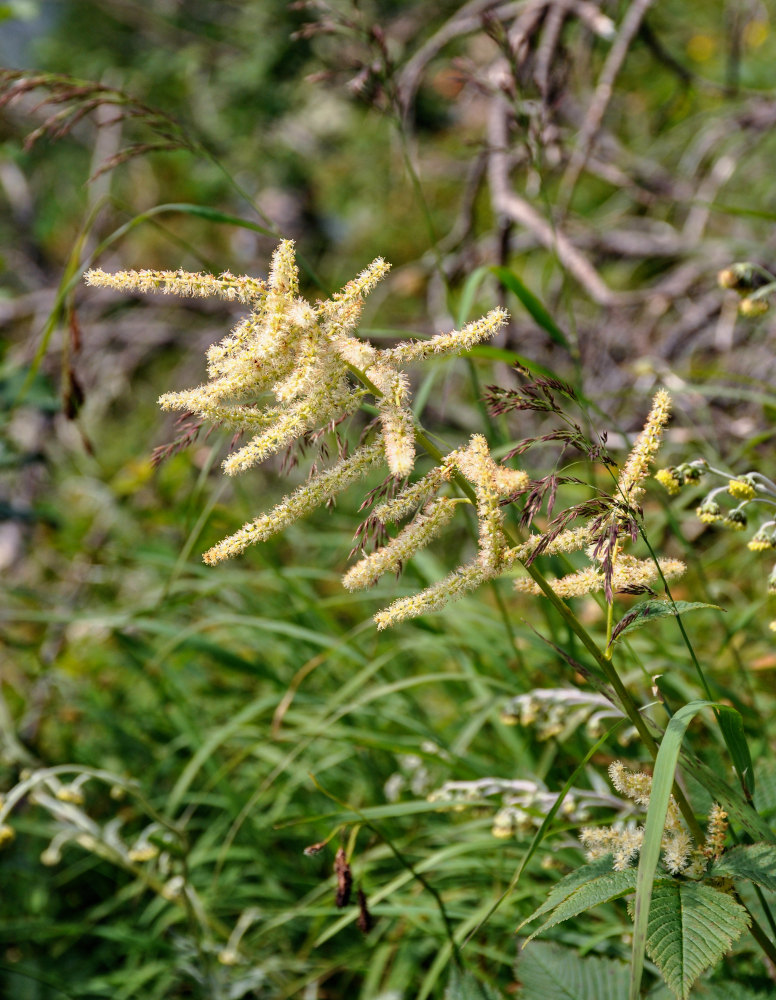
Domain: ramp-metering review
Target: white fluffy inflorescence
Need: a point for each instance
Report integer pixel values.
(291, 368)
(491, 483)
(627, 572)
(681, 855)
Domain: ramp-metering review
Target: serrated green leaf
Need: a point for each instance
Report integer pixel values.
(569, 883)
(649, 611)
(608, 886)
(548, 972)
(690, 928)
(465, 986)
(757, 862)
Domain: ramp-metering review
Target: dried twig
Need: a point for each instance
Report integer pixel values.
(603, 94)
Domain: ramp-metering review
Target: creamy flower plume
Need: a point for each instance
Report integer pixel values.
(414, 495)
(317, 491)
(491, 483)
(611, 569)
(449, 343)
(291, 368)
(681, 855)
(391, 557)
(636, 468)
(629, 574)
(396, 418)
(184, 283)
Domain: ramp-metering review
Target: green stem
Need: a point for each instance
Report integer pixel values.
(761, 937)
(449, 931)
(605, 665)
(609, 628)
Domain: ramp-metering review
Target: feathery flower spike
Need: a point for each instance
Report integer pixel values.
(292, 367)
(634, 472)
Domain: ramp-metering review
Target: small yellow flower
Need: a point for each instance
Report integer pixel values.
(763, 539)
(69, 793)
(735, 520)
(7, 834)
(709, 512)
(740, 277)
(742, 489)
(753, 307)
(669, 480)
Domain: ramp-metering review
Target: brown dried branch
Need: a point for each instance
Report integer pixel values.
(506, 202)
(600, 102)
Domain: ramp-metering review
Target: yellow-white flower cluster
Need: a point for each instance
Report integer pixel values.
(557, 713)
(628, 572)
(491, 484)
(308, 358)
(523, 803)
(291, 368)
(623, 841)
(748, 489)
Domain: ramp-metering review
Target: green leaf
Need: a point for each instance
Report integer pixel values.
(607, 886)
(765, 795)
(470, 289)
(465, 986)
(210, 214)
(549, 972)
(569, 883)
(690, 928)
(731, 799)
(662, 783)
(732, 991)
(756, 862)
(511, 281)
(732, 726)
(648, 611)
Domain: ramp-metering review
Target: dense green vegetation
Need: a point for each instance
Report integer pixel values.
(184, 748)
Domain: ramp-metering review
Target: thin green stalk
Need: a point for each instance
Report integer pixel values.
(509, 630)
(605, 665)
(609, 628)
(760, 936)
(449, 931)
(698, 668)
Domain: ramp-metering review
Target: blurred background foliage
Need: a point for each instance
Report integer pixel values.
(254, 703)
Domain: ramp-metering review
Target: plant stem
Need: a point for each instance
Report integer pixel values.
(605, 665)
